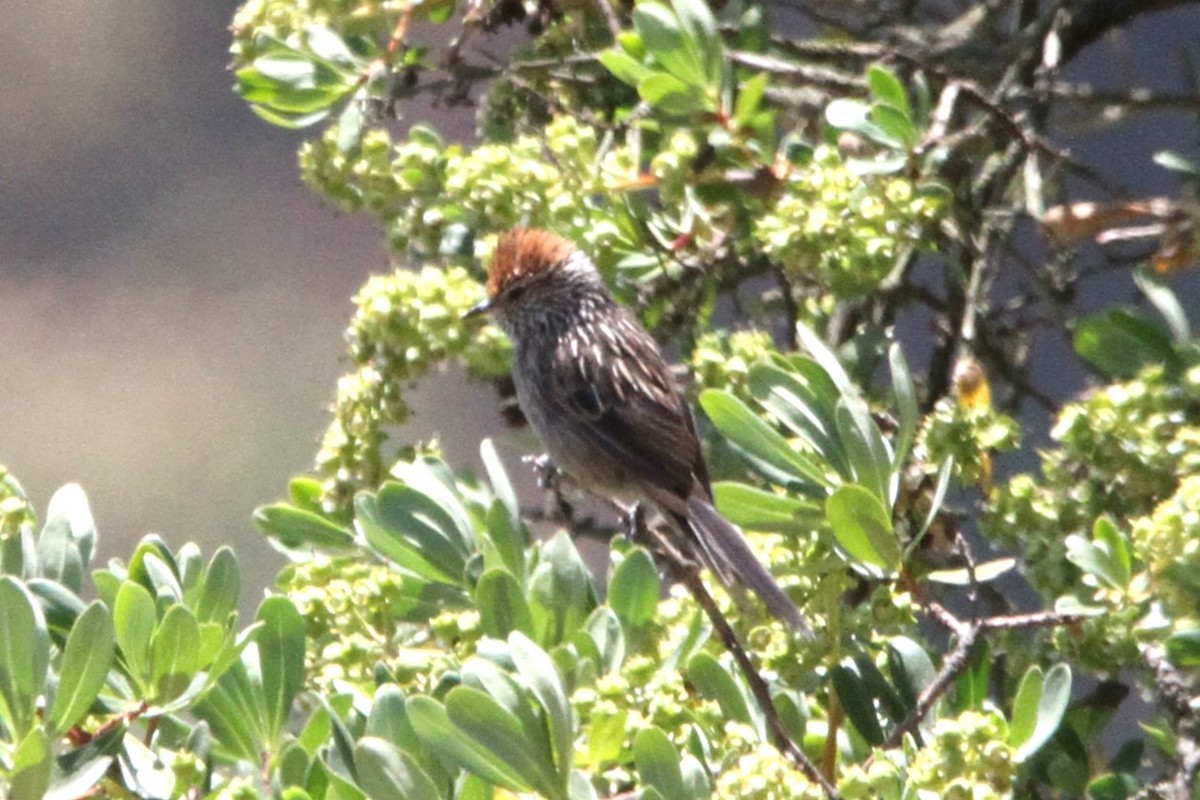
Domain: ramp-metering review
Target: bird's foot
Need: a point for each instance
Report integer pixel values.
(550, 478)
(634, 520)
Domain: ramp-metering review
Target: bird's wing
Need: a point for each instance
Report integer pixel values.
(635, 415)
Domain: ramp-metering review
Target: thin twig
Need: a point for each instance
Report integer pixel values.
(683, 571)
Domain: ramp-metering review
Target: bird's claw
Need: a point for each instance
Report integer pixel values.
(547, 471)
(549, 477)
(635, 523)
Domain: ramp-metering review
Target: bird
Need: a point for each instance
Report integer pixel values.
(595, 387)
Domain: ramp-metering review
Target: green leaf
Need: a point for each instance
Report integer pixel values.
(1163, 299)
(351, 124)
(1113, 786)
(634, 589)
(434, 479)
(624, 67)
(877, 685)
(887, 88)
(910, 668)
(863, 528)
(804, 399)
(234, 710)
(385, 770)
(851, 399)
(306, 493)
(388, 719)
(1110, 539)
(1120, 342)
(134, 617)
(667, 44)
(905, 393)
(24, 657)
(983, 573)
(895, 125)
(749, 98)
(60, 606)
(293, 765)
(498, 478)
(854, 116)
(561, 591)
(760, 510)
(220, 589)
(66, 541)
(409, 527)
(1183, 648)
(858, 702)
(1177, 163)
(508, 538)
(973, 684)
(700, 28)
(146, 774)
(327, 45)
(87, 658)
(82, 774)
(487, 740)
(544, 680)
(502, 686)
(870, 461)
(714, 682)
(657, 763)
(298, 531)
(606, 737)
(1094, 560)
(174, 654)
(669, 95)
(604, 630)
(287, 69)
(1051, 708)
(501, 604)
(1038, 709)
(762, 447)
(289, 121)
(280, 643)
(29, 778)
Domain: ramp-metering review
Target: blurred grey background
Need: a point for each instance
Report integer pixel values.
(172, 299)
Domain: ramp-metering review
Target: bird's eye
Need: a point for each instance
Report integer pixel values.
(516, 293)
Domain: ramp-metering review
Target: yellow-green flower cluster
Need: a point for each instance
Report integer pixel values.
(406, 324)
(348, 605)
(1130, 451)
(841, 230)
(15, 510)
(1123, 450)
(1167, 542)
(966, 758)
(969, 435)
(433, 198)
(285, 20)
(722, 359)
(760, 772)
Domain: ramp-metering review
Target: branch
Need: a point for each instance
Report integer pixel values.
(681, 569)
(1175, 691)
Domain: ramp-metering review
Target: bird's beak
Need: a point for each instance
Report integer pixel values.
(482, 307)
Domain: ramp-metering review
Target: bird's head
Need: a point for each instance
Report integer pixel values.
(535, 273)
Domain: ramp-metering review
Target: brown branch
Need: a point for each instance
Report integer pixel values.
(1176, 693)
(682, 570)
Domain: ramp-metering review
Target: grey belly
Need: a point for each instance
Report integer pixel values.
(573, 450)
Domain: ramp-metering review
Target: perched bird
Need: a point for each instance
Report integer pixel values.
(595, 387)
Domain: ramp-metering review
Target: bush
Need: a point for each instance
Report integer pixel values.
(421, 643)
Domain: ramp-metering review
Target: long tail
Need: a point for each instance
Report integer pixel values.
(732, 559)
